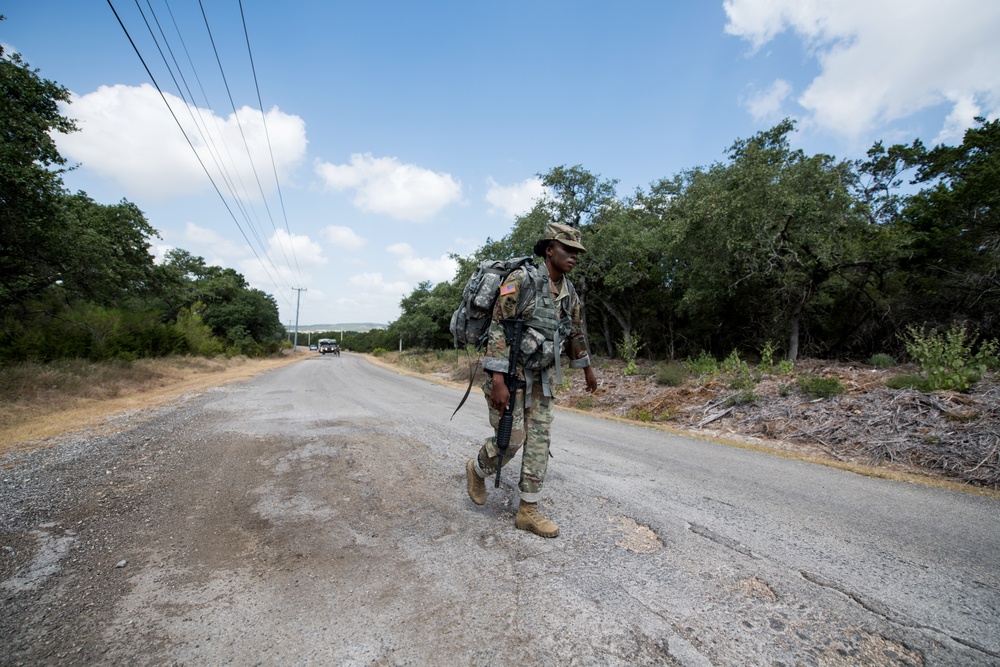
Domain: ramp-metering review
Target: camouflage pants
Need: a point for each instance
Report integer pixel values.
(532, 430)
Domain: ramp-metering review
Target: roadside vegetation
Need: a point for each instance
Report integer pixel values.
(77, 280)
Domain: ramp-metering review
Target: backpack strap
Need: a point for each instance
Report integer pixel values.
(533, 277)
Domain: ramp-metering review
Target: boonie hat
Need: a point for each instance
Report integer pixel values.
(568, 236)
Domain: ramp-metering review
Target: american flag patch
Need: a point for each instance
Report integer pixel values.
(510, 288)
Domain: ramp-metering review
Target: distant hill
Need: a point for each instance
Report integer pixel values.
(360, 327)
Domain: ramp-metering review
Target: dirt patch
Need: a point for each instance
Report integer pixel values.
(755, 588)
(636, 537)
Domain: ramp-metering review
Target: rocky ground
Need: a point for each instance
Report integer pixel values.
(947, 435)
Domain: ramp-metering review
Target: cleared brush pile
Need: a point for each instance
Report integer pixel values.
(948, 433)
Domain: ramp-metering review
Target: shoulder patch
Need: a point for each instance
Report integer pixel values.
(509, 288)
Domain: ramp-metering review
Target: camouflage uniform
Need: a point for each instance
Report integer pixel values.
(532, 421)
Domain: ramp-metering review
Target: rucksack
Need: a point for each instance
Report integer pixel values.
(470, 322)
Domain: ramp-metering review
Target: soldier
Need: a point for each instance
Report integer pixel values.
(545, 298)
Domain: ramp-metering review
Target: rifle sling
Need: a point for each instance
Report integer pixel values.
(472, 376)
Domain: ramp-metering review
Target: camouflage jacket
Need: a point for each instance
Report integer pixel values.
(516, 286)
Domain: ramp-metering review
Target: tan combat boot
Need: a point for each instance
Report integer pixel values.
(529, 518)
(477, 487)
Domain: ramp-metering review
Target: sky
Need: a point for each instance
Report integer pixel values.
(337, 154)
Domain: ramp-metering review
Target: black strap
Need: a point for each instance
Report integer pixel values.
(472, 375)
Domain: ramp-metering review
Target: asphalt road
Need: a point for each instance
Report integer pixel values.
(317, 515)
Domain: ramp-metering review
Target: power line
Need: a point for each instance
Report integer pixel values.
(239, 124)
(210, 143)
(196, 119)
(267, 136)
(207, 137)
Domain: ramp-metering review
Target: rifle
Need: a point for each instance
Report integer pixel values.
(513, 331)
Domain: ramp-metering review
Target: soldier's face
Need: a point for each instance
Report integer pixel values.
(562, 257)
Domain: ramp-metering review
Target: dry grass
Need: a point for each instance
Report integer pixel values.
(41, 401)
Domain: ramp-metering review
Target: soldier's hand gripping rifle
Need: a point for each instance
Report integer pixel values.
(513, 331)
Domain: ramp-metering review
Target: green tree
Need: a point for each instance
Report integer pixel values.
(246, 318)
(627, 274)
(33, 233)
(764, 236)
(519, 242)
(426, 315)
(953, 269)
(576, 195)
(110, 258)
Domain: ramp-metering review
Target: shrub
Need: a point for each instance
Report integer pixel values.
(671, 374)
(704, 364)
(882, 360)
(785, 367)
(640, 415)
(740, 375)
(766, 364)
(990, 351)
(820, 387)
(741, 397)
(628, 349)
(946, 359)
(908, 381)
(379, 351)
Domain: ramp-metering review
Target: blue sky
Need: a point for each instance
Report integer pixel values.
(388, 135)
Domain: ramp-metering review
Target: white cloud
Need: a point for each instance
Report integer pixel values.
(296, 249)
(128, 136)
(284, 263)
(370, 298)
(374, 283)
(402, 249)
(517, 199)
(159, 252)
(437, 270)
(385, 185)
(887, 60)
(213, 241)
(418, 269)
(766, 105)
(343, 238)
(958, 121)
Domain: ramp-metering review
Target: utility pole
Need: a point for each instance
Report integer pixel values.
(298, 299)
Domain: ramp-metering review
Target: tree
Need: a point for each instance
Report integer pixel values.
(173, 281)
(245, 317)
(764, 234)
(627, 272)
(110, 259)
(426, 315)
(576, 195)
(954, 227)
(33, 232)
(525, 231)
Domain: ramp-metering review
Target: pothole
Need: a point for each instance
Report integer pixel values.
(636, 537)
(756, 588)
